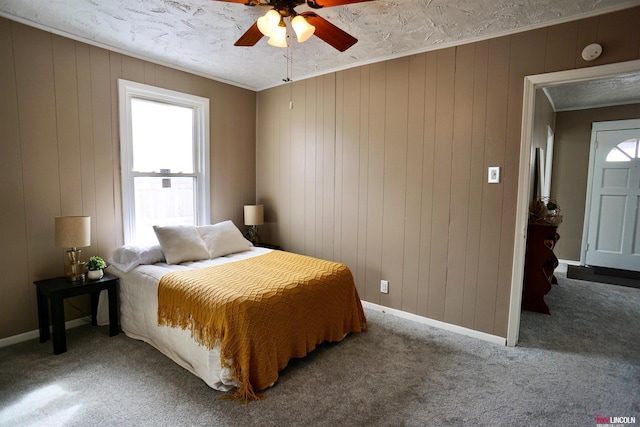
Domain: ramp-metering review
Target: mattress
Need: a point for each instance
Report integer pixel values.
(138, 300)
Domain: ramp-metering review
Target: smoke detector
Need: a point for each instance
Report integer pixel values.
(591, 52)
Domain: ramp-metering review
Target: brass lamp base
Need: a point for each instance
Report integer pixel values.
(74, 269)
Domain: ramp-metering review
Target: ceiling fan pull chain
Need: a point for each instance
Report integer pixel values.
(290, 74)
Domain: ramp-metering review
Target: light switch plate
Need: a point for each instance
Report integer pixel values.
(494, 175)
(384, 286)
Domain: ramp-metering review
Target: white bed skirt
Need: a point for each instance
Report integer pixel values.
(138, 300)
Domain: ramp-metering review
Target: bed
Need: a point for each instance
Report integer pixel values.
(242, 352)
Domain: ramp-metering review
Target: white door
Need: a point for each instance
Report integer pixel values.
(614, 212)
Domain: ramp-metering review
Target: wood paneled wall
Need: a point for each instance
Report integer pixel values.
(59, 138)
(384, 166)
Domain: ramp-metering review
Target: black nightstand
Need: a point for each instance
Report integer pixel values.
(268, 246)
(57, 290)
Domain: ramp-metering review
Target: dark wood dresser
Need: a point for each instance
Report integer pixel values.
(539, 264)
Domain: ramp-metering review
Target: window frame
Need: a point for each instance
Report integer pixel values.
(128, 90)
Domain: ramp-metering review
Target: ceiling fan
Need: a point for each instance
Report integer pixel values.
(304, 24)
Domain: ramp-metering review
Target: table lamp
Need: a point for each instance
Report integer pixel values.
(73, 232)
(253, 216)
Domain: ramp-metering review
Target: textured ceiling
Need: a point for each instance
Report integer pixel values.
(618, 90)
(198, 35)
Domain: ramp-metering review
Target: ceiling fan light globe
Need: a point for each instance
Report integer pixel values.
(268, 23)
(303, 29)
(279, 37)
(263, 26)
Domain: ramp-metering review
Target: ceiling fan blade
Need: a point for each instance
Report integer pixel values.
(251, 37)
(317, 4)
(329, 32)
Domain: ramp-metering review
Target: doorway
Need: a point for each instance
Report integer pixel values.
(532, 83)
(611, 230)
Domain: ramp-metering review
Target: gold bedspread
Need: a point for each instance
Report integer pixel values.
(263, 311)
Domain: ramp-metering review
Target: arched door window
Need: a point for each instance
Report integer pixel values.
(625, 151)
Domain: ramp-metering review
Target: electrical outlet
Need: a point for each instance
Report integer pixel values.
(384, 286)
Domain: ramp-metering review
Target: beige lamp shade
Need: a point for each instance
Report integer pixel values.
(253, 214)
(73, 231)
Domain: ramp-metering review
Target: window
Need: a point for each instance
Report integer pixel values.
(624, 152)
(164, 156)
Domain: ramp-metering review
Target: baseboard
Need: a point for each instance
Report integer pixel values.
(15, 339)
(437, 324)
(568, 262)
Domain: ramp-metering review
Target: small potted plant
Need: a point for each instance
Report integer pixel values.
(95, 266)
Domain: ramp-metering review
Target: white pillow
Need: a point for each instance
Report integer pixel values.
(126, 258)
(181, 243)
(223, 238)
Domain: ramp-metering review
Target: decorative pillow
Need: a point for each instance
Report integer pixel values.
(126, 258)
(181, 243)
(223, 238)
